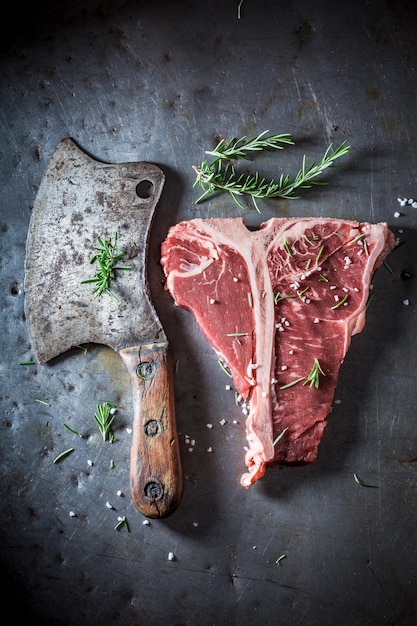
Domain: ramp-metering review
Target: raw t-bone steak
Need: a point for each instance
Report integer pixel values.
(277, 304)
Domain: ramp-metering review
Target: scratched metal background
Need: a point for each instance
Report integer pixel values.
(160, 81)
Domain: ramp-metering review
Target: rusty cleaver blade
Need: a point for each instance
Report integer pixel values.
(80, 199)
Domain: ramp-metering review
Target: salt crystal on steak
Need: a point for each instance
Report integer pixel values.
(279, 278)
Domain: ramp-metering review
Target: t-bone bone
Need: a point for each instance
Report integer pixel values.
(279, 306)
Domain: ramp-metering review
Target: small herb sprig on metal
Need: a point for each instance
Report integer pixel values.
(361, 483)
(122, 521)
(218, 176)
(106, 256)
(238, 148)
(104, 416)
(63, 455)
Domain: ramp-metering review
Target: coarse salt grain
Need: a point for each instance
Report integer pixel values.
(316, 320)
(209, 449)
(109, 506)
(72, 514)
(195, 524)
(222, 422)
(228, 387)
(212, 301)
(171, 556)
(146, 522)
(209, 425)
(406, 302)
(235, 279)
(397, 214)
(119, 493)
(90, 463)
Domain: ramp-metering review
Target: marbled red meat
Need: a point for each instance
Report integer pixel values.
(271, 303)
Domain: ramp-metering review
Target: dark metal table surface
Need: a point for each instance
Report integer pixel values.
(162, 81)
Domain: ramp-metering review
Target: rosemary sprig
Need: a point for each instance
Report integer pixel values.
(74, 432)
(280, 436)
(106, 256)
(314, 376)
(63, 455)
(224, 369)
(278, 297)
(292, 383)
(214, 176)
(122, 521)
(239, 6)
(320, 252)
(104, 416)
(287, 247)
(342, 301)
(238, 148)
(361, 483)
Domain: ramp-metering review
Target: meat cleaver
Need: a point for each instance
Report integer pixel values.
(80, 199)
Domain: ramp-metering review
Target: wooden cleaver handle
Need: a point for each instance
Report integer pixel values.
(155, 464)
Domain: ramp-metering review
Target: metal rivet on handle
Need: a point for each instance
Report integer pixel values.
(146, 370)
(153, 428)
(153, 490)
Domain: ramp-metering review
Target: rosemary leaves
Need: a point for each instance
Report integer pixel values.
(220, 174)
(104, 417)
(313, 378)
(107, 257)
(361, 483)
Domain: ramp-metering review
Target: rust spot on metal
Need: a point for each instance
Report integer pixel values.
(77, 217)
(100, 198)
